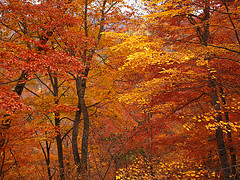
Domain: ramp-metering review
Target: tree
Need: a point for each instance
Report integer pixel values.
(30, 49)
(153, 97)
(180, 64)
(46, 44)
(96, 15)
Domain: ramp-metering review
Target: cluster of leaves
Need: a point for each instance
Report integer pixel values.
(141, 168)
(183, 65)
(45, 47)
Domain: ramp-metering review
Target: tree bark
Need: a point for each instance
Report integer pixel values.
(219, 133)
(81, 163)
(84, 152)
(47, 157)
(204, 38)
(59, 149)
(57, 125)
(232, 152)
(229, 137)
(75, 127)
(21, 83)
(48, 160)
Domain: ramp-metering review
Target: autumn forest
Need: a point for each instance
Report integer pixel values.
(115, 90)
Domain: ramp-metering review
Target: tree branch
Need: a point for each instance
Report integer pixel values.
(31, 91)
(44, 84)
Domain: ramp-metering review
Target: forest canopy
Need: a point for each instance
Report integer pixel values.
(114, 89)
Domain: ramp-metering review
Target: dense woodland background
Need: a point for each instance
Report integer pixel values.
(92, 89)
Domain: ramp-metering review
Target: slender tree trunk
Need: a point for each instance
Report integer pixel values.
(48, 160)
(84, 152)
(219, 133)
(74, 139)
(59, 149)
(81, 163)
(75, 127)
(57, 125)
(222, 153)
(80, 86)
(232, 152)
(47, 157)
(204, 38)
(229, 137)
(2, 164)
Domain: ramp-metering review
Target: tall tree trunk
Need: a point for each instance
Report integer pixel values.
(47, 157)
(204, 38)
(229, 137)
(84, 152)
(232, 151)
(57, 125)
(219, 133)
(222, 153)
(48, 160)
(59, 147)
(81, 163)
(81, 87)
(75, 126)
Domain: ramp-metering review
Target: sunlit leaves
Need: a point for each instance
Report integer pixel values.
(141, 168)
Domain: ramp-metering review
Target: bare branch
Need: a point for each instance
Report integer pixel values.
(64, 92)
(31, 91)
(230, 18)
(67, 133)
(44, 84)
